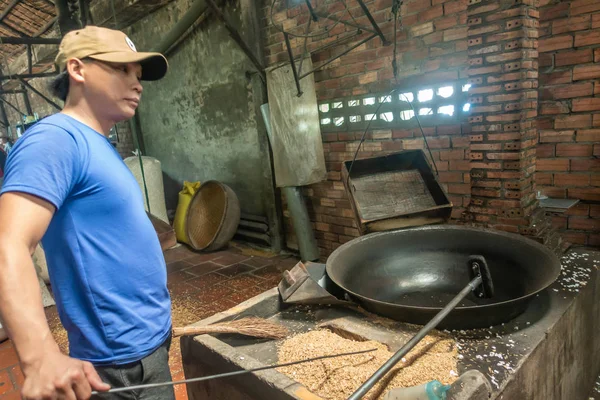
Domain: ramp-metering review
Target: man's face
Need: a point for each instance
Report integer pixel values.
(115, 89)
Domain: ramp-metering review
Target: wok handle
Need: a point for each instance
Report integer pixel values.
(384, 369)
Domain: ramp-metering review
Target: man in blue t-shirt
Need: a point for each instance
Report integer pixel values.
(66, 186)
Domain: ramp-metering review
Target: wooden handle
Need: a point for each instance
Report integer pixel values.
(191, 330)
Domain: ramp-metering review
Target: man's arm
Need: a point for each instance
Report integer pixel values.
(24, 220)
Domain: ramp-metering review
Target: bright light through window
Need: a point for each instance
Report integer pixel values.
(425, 111)
(406, 115)
(466, 87)
(409, 97)
(388, 116)
(369, 101)
(324, 108)
(338, 121)
(448, 110)
(325, 121)
(425, 95)
(445, 91)
(369, 117)
(467, 107)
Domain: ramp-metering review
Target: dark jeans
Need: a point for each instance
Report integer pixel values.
(151, 369)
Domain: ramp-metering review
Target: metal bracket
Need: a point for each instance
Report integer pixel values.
(34, 90)
(236, 36)
(376, 31)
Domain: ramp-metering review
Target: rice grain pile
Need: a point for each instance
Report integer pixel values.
(435, 357)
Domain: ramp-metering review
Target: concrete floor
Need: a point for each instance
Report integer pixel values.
(200, 284)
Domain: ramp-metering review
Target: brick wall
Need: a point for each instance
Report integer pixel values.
(432, 48)
(569, 123)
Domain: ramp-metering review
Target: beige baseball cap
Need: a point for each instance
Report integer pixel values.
(109, 45)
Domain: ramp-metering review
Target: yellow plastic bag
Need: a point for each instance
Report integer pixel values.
(185, 197)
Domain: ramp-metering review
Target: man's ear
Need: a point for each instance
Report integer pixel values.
(75, 69)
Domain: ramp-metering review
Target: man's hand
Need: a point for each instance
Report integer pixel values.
(57, 376)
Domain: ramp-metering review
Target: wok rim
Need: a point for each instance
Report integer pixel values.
(510, 236)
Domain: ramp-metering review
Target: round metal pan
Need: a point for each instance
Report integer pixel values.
(410, 275)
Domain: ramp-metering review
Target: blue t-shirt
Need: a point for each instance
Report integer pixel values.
(105, 263)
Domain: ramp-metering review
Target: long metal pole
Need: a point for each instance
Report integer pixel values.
(228, 374)
(28, 40)
(236, 36)
(13, 107)
(34, 90)
(191, 15)
(291, 55)
(338, 56)
(385, 368)
(370, 17)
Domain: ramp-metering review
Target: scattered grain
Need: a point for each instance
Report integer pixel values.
(435, 357)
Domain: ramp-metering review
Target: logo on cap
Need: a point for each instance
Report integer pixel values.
(130, 44)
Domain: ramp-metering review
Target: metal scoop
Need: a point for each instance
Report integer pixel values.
(481, 285)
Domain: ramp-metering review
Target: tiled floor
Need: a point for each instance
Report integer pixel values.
(200, 285)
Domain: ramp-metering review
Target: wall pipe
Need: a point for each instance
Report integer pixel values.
(307, 243)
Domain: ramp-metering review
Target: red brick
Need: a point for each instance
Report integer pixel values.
(555, 43)
(596, 121)
(549, 13)
(587, 38)
(556, 136)
(451, 177)
(442, 24)
(448, 130)
(597, 150)
(585, 224)
(559, 222)
(590, 165)
(446, 155)
(584, 6)
(453, 7)
(571, 180)
(568, 92)
(573, 57)
(501, 37)
(431, 13)
(587, 104)
(459, 165)
(571, 24)
(572, 121)
(552, 165)
(556, 78)
(556, 107)
(482, 9)
(455, 34)
(542, 178)
(581, 210)
(588, 194)
(595, 210)
(595, 21)
(459, 188)
(8, 356)
(545, 150)
(423, 29)
(581, 72)
(554, 192)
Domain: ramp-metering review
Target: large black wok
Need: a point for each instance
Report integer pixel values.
(410, 275)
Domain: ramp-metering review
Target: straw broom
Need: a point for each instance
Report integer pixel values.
(250, 326)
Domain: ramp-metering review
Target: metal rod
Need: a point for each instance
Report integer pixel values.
(304, 47)
(27, 103)
(34, 90)
(228, 374)
(28, 76)
(191, 15)
(311, 10)
(291, 55)
(384, 369)
(15, 91)
(339, 55)
(28, 40)
(236, 36)
(29, 60)
(3, 112)
(13, 107)
(370, 17)
(341, 21)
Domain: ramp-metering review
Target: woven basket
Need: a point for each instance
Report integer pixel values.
(213, 216)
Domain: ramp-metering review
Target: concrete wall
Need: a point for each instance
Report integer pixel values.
(201, 120)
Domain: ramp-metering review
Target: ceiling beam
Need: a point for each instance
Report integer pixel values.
(8, 9)
(28, 40)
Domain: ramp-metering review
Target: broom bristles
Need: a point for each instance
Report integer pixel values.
(249, 326)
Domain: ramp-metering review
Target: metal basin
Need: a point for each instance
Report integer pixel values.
(411, 274)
